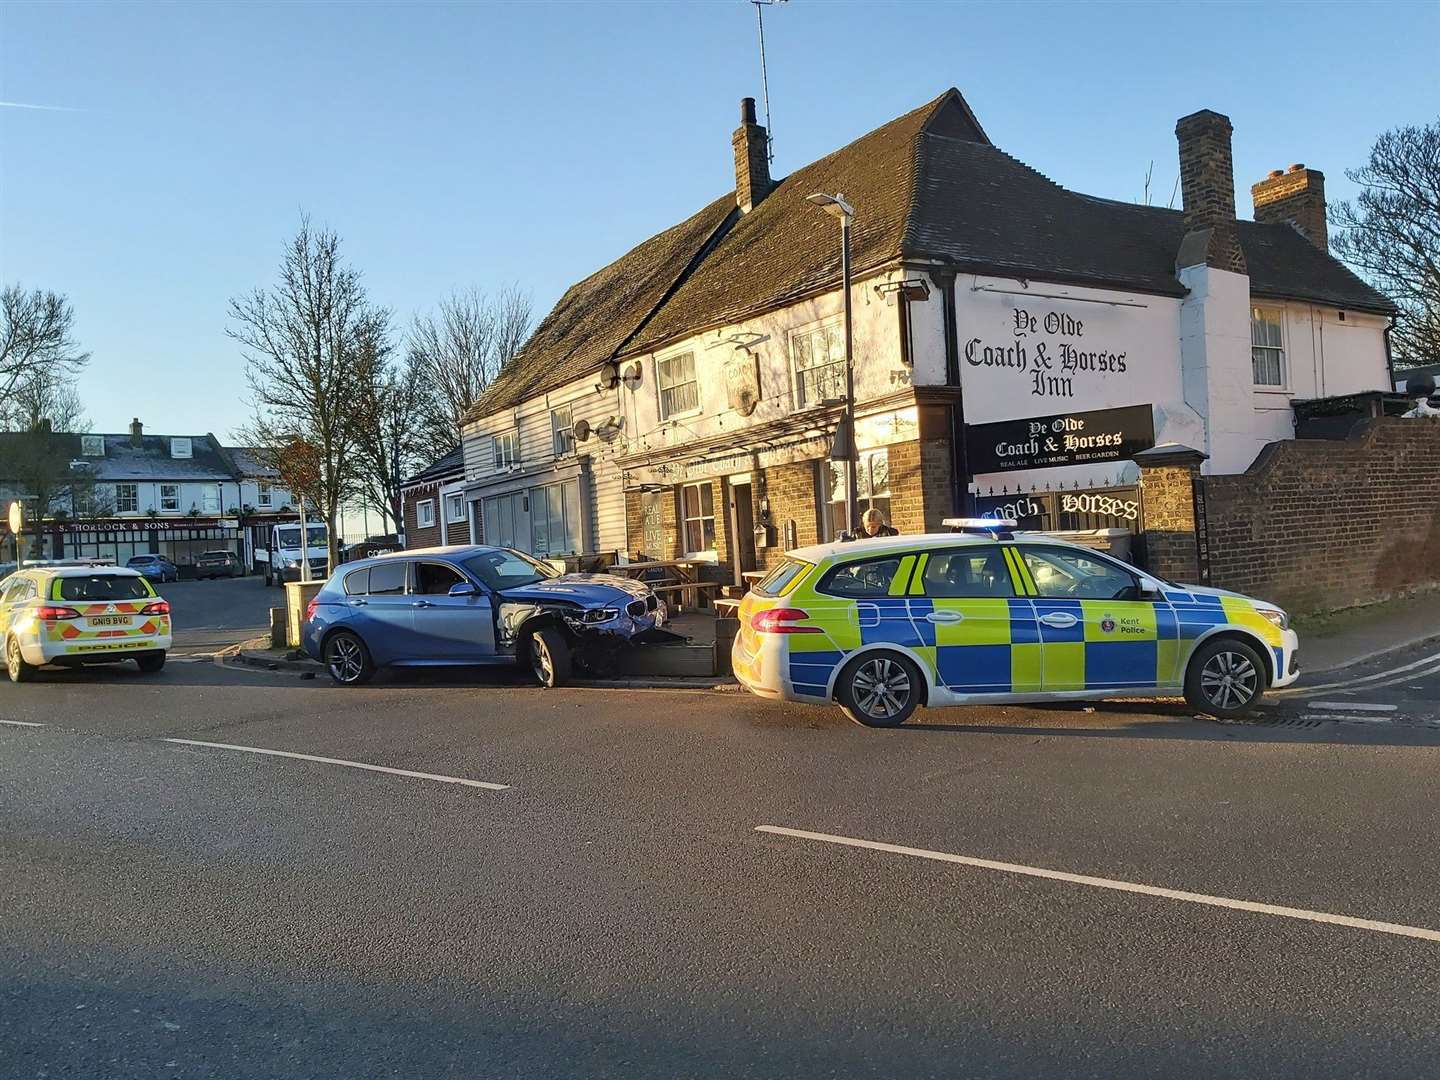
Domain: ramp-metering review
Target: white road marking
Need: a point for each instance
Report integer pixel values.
(351, 764)
(1357, 706)
(1110, 883)
(1338, 717)
(1360, 680)
(21, 723)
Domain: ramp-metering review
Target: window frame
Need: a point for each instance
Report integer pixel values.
(163, 498)
(661, 362)
(264, 493)
(808, 332)
(1259, 316)
(454, 519)
(897, 556)
(134, 490)
(865, 493)
(424, 508)
(685, 518)
(208, 494)
(562, 439)
(505, 461)
(414, 576)
(92, 445)
(182, 447)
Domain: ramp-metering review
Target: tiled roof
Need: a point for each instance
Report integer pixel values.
(928, 185)
(452, 464)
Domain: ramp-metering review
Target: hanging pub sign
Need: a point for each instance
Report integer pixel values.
(1077, 438)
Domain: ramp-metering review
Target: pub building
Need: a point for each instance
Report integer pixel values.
(1015, 345)
(136, 494)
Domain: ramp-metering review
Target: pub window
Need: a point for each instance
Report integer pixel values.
(697, 506)
(1267, 346)
(127, 498)
(872, 489)
(265, 494)
(679, 390)
(455, 508)
(562, 439)
(425, 513)
(92, 445)
(170, 498)
(503, 449)
(819, 358)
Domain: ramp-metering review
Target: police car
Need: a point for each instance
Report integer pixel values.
(990, 615)
(80, 615)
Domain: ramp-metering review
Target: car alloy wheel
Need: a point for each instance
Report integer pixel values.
(541, 662)
(881, 688)
(1229, 680)
(15, 665)
(345, 657)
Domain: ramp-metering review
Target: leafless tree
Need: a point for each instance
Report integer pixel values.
(308, 342)
(46, 394)
(456, 352)
(392, 444)
(39, 452)
(36, 338)
(1391, 235)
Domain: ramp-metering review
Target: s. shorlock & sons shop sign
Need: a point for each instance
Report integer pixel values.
(1075, 438)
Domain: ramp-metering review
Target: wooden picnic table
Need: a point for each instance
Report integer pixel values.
(687, 588)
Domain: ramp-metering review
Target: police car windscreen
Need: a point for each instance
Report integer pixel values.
(103, 587)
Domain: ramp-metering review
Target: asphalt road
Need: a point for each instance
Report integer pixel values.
(181, 910)
(208, 615)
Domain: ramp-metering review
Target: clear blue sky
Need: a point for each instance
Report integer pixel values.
(472, 144)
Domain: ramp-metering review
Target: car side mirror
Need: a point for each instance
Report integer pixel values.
(464, 588)
(1150, 590)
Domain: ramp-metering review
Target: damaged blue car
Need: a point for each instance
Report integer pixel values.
(476, 605)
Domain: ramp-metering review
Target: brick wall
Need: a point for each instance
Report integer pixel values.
(791, 491)
(415, 536)
(1168, 506)
(1320, 525)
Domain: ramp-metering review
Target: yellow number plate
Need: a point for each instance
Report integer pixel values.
(99, 621)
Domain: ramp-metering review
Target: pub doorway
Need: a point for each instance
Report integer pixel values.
(741, 523)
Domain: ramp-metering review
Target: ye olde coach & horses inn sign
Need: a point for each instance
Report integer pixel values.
(1077, 438)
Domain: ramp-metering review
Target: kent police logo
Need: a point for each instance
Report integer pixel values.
(1108, 624)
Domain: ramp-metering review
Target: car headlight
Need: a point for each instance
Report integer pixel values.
(599, 615)
(1276, 616)
(291, 564)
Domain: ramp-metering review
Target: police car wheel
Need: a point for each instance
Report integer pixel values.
(15, 665)
(151, 663)
(879, 689)
(347, 659)
(1225, 679)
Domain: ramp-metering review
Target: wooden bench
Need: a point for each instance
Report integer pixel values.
(689, 591)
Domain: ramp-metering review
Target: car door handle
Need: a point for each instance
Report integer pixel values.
(944, 616)
(358, 603)
(1060, 620)
(421, 603)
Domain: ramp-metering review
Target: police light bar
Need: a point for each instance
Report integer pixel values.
(1000, 527)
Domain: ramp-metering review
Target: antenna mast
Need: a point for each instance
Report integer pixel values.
(760, 6)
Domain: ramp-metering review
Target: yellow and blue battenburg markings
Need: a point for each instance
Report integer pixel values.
(1004, 645)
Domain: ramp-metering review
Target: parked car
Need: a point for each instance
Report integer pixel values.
(77, 615)
(989, 615)
(473, 605)
(213, 564)
(155, 567)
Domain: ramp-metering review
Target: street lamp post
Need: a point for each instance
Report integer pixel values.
(843, 448)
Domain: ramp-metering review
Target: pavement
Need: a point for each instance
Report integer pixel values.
(224, 872)
(211, 616)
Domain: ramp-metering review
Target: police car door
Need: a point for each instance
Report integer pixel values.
(1097, 633)
(985, 637)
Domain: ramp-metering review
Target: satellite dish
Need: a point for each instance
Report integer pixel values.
(634, 375)
(609, 375)
(581, 430)
(610, 427)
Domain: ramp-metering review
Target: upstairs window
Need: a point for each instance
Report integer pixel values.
(455, 508)
(265, 493)
(1267, 346)
(92, 445)
(562, 436)
(210, 499)
(425, 514)
(127, 498)
(503, 448)
(170, 498)
(679, 391)
(180, 448)
(819, 357)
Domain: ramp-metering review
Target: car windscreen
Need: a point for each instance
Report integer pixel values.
(140, 560)
(781, 578)
(100, 587)
(506, 569)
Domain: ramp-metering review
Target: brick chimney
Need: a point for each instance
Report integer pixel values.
(1295, 197)
(1207, 184)
(752, 159)
(137, 433)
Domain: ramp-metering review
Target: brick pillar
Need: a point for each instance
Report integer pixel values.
(1172, 520)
